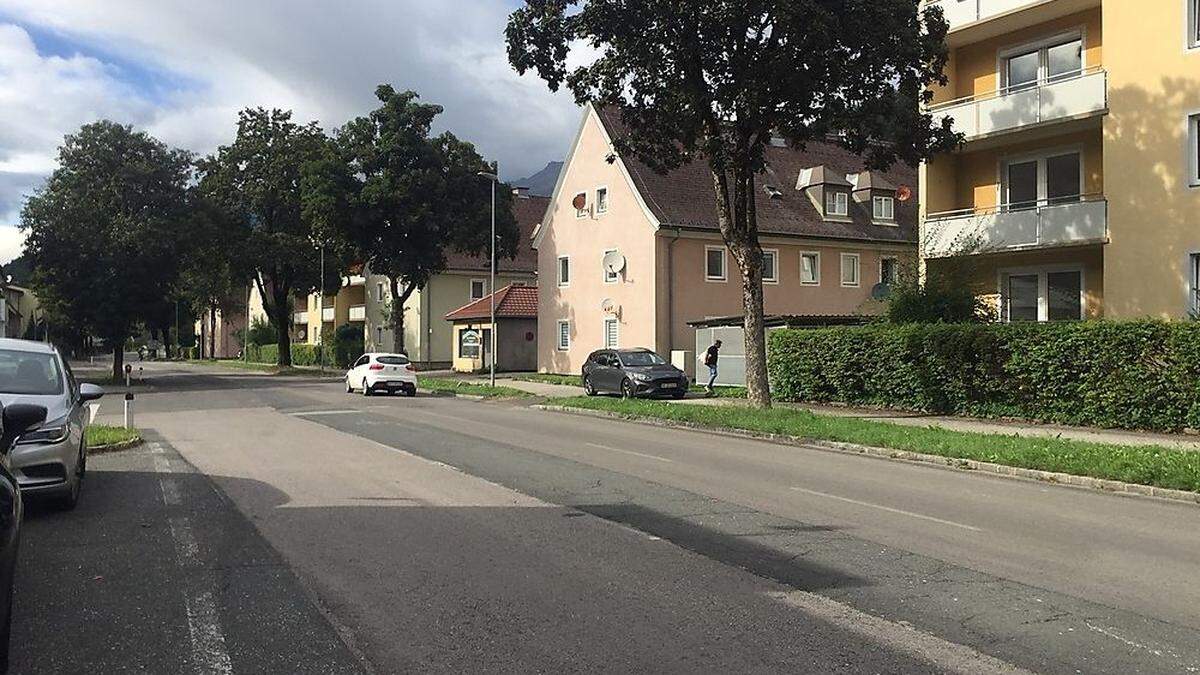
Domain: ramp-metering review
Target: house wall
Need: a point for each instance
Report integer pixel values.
(1154, 214)
(515, 352)
(978, 174)
(625, 227)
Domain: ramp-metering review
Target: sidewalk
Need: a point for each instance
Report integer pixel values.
(911, 419)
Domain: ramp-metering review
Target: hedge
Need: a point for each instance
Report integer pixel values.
(1133, 375)
(304, 354)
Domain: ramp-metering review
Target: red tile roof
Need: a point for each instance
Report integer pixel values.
(529, 212)
(512, 302)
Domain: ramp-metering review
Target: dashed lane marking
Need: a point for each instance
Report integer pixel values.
(889, 509)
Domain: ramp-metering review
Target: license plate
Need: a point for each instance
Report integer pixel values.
(667, 385)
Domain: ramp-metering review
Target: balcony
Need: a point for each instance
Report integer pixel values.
(974, 20)
(358, 313)
(355, 280)
(1077, 96)
(300, 318)
(1015, 228)
(327, 315)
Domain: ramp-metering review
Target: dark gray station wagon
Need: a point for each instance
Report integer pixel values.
(632, 372)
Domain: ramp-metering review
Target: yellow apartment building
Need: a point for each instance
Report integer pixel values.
(1076, 193)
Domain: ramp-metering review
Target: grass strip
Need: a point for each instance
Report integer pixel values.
(577, 381)
(100, 434)
(442, 384)
(1144, 465)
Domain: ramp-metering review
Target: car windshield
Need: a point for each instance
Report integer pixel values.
(641, 359)
(392, 360)
(32, 373)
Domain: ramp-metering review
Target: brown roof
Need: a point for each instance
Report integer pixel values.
(512, 302)
(684, 197)
(529, 212)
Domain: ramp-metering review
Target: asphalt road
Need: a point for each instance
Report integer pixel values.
(436, 534)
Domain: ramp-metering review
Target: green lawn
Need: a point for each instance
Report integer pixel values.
(1145, 465)
(444, 384)
(99, 434)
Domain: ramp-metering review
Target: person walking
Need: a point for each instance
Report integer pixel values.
(710, 359)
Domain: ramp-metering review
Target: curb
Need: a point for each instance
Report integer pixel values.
(1002, 470)
(115, 447)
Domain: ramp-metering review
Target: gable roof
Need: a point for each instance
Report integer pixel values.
(529, 212)
(683, 198)
(512, 302)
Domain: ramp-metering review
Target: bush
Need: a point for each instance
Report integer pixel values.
(348, 344)
(262, 333)
(1135, 375)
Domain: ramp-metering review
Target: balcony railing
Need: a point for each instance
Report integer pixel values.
(1065, 97)
(327, 314)
(1016, 227)
(358, 313)
(356, 280)
(961, 13)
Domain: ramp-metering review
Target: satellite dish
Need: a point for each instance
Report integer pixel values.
(614, 262)
(880, 291)
(903, 193)
(580, 202)
(608, 306)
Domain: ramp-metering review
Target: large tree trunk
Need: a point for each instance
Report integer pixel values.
(118, 373)
(397, 319)
(212, 331)
(278, 306)
(739, 227)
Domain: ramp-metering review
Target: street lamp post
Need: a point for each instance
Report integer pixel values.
(321, 320)
(494, 178)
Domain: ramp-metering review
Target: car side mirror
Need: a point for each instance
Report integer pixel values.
(17, 419)
(89, 392)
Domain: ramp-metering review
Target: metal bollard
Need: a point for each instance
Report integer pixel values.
(129, 410)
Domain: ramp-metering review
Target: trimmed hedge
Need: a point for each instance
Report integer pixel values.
(1132, 375)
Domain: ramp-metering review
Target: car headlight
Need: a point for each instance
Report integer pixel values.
(54, 432)
(641, 377)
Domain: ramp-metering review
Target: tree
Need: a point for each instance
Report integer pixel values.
(102, 235)
(716, 80)
(211, 280)
(417, 197)
(256, 182)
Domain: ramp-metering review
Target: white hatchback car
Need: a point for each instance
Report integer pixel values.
(382, 372)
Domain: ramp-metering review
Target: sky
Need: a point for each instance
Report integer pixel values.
(181, 70)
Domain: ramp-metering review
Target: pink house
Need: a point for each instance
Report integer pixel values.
(628, 257)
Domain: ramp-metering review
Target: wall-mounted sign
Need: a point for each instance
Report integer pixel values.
(468, 344)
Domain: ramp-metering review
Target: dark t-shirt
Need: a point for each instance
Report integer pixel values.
(710, 356)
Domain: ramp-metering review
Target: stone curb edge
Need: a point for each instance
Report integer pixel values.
(115, 447)
(1112, 486)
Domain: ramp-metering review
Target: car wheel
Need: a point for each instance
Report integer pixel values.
(70, 500)
(366, 388)
(626, 389)
(587, 386)
(349, 389)
(411, 391)
(679, 394)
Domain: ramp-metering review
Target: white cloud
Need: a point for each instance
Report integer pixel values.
(12, 242)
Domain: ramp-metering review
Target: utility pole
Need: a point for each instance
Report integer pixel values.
(321, 321)
(494, 177)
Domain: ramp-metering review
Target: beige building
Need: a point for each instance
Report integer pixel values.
(627, 257)
(1077, 190)
(515, 309)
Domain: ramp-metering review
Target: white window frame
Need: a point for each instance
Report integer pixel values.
(1193, 147)
(611, 320)
(876, 214)
(471, 291)
(1042, 47)
(379, 291)
(1192, 302)
(1040, 157)
(610, 278)
(580, 214)
(774, 278)
(558, 271)
(841, 203)
(724, 264)
(602, 205)
(1191, 41)
(379, 337)
(1041, 271)
(857, 257)
(894, 260)
(562, 339)
(816, 268)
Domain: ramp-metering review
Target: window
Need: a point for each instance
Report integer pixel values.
(378, 337)
(884, 208)
(837, 203)
(810, 269)
(564, 270)
(611, 333)
(1194, 148)
(770, 268)
(714, 263)
(1194, 286)
(478, 289)
(468, 344)
(889, 271)
(850, 269)
(1042, 295)
(609, 276)
(602, 200)
(1050, 62)
(379, 291)
(1055, 179)
(564, 336)
(580, 198)
(1193, 24)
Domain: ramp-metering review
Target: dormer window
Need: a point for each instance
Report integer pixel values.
(837, 203)
(883, 208)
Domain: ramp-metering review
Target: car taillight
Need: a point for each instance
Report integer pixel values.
(376, 366)
(410, 368)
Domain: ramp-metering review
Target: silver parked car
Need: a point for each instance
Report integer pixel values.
(50, 459)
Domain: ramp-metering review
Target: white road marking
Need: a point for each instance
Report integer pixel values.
(209, 654)
(186, 548)
(889, 509)
(941, 653)
(170, 491)
(1108, 632)
(161, 464)
(631, 452)
(318, 413)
